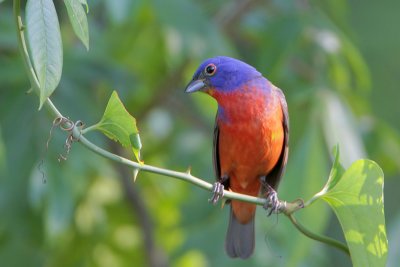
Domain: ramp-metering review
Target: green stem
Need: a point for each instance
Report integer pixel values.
(22, 46)
(89, 129)
(324, 239)
(185, 176)
(287, 208)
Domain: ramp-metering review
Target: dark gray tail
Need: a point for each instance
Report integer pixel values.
(239, 240)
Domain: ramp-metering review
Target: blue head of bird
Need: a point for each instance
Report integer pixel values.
(223, 74)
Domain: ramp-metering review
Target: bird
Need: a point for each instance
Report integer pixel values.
(251, 141)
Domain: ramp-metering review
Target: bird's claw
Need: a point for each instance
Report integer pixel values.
(218, 193)
(273, 203)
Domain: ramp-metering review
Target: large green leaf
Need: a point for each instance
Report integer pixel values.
(43, 34)
(77, 16)
(357, 199)
(119, 125)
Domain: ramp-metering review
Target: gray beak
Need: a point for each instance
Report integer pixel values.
(194, 86)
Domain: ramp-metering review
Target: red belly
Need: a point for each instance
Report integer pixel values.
(247, 151)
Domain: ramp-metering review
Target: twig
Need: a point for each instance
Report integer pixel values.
(287, 208)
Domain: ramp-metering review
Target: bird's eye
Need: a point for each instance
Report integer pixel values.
(210, 69)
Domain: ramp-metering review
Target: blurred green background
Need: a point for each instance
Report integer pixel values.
(337, 62)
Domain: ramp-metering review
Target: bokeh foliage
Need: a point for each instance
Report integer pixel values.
(87, 214)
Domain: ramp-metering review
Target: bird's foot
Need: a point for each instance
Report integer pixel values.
(273, 203)
(218, 193)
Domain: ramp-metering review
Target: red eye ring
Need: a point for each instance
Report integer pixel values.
(210, 69)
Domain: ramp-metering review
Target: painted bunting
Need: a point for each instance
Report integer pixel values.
(251, 138)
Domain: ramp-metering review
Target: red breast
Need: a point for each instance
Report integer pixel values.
(251, 140)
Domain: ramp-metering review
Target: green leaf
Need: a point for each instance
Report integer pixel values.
(43, 34)
(334, 176)
(135, 174)
(357, 200)
(117, 124)
(77, 16)
(336, 172)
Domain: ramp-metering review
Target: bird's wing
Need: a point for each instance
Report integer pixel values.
(217, 167)
(277, 172)
(216, 159)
